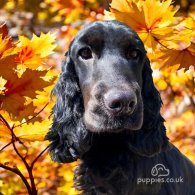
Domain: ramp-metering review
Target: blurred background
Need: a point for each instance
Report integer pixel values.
(63, 19)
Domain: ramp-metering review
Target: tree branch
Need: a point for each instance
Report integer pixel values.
(5, 146)
(17, 172)
(34, 161)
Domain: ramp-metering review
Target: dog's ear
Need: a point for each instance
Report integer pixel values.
(151, 97)
(151, 138)
(67, 133)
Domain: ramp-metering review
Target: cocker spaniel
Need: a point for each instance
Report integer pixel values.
(107, 114)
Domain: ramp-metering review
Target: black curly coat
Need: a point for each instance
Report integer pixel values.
(107, 114)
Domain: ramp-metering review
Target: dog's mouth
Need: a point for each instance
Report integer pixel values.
(97, 120)
(114, 110)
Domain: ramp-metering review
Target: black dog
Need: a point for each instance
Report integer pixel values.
(107, 114)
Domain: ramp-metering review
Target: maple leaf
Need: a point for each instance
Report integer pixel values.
(7, 67)
(27, 112)
(7, 47)
(33, 132)
(13, 98)
(6, 43)
(43, 45)
(34, 51)
(4, 131)
(4, 30)
(182, 37)
(172, 59)
(8, 53)
(151, 19)
(25, 132)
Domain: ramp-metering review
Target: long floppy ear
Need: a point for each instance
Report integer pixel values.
(151, 138)
(68, 136)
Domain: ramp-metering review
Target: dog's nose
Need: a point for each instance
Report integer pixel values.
(120, 101)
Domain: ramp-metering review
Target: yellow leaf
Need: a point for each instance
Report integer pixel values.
(125, 6)
(26, 132)
(148, 18)
(33, 132)
(34, 51)
(5, 133)
(43, 45)
(173, 59)
(74, 15)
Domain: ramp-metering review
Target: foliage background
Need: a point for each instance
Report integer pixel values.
(32, 44)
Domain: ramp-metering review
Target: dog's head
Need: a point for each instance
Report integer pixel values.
(108, 58)
(106, 86)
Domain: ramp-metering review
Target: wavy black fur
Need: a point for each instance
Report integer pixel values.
(111, 163)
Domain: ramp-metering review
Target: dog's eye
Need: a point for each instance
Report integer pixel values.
(133, 54)
(85, 53)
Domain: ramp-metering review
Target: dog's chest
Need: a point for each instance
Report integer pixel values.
(117, 177)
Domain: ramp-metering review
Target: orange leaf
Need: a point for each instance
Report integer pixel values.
(4, 30)
(173, 59)
(34, 51)
(148, 18)
(25, 132)
(33, 132)
(7, 66)
(17, 89)
(5, 133)
(7, 54)
(7, 47)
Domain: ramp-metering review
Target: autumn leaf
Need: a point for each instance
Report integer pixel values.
(75, 14)
(172, 59)
(34, 51)
(2, 84)
(5, 40)
(181, 132)
(8, 53)
(25, 132)
(183, 36)
(33, 132)
(28, 111)
(4, 132)
(180, 81)
(70, 10)
(183, 81)
(7, 47)
(7, 67)
(151, 19)
(6, 44)
(169, 41)
(3, 30)
(65, 6)
(17, 89)
(43, 45)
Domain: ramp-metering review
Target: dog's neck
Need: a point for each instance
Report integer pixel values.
(146, 142)
(111, 161)
(108, 147)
